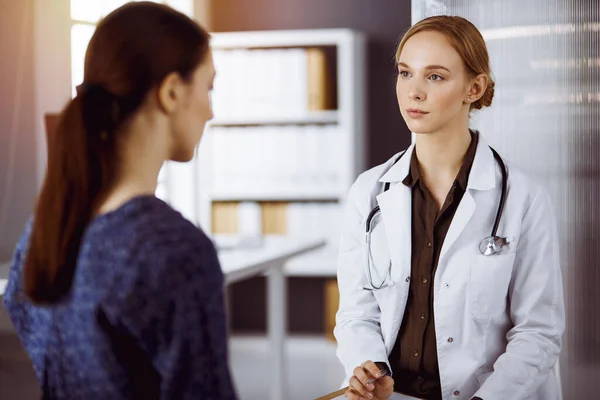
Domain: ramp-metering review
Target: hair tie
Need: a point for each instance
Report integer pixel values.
(84, 87)
(101, 112)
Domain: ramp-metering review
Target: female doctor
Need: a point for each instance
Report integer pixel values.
(449, 267)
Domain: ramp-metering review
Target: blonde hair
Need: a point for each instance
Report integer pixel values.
(466, 39)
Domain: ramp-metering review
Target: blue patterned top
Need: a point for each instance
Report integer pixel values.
(145, 316)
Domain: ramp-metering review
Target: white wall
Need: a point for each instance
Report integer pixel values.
(545, 118)
(17, 130)
(34, 79)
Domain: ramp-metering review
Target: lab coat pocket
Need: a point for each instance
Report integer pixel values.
(490, 278)
(387, 297)
(389, 300)
(481, 378)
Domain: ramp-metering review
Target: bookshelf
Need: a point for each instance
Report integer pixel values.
(286, 143)
(308, 118)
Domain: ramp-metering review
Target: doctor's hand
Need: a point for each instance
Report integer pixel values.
(360, 389)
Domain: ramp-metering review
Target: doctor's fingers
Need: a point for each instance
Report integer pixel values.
(384, 387)
(352, 394)
(365, 378)
(360, 389)
(370, 368)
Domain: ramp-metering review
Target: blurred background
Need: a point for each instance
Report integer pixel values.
(304, 101)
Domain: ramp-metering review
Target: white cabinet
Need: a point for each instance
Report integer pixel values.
(288, 134)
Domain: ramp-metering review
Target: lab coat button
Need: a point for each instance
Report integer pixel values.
(408, 279)
(450, 340)
(446, 285)
(456, 393)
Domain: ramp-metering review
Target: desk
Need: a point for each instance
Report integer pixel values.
(240, 264)
(243, 263)
(4, 267)
(395, 396)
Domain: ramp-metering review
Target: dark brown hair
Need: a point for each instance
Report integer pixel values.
(467, 41)
(132, 50)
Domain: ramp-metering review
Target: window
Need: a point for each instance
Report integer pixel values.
(85, 14)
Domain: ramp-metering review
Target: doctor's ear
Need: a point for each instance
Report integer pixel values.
(477, 88)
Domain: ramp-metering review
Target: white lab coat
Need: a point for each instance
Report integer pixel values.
(499, 319)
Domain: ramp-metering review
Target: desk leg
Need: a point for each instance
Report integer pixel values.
(277, 322)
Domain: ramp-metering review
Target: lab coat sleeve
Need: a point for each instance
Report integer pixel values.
(536, 309)
(357, 328)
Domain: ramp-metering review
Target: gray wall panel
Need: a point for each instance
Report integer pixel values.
(546, 60)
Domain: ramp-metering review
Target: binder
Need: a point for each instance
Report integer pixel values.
(319, 84)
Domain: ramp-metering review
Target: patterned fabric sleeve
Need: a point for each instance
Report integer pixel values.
(14, 291)
(24, 321)
(195, 361)
(177, 316)
(13, 286)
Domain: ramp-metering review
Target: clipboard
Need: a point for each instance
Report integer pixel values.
(339, 393)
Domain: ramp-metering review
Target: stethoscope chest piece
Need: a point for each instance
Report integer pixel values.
(492, 245)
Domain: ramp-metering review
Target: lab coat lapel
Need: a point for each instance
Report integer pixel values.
(481, 177)
(463, 215)
(396, 211)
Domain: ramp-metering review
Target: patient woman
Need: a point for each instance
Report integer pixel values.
(115, 295)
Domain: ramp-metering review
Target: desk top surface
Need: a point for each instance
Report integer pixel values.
(395, 396)
(4, 267)
(240, 263)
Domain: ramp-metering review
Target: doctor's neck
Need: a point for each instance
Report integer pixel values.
(441, 154)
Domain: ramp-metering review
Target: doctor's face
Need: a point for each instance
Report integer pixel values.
(432, 84)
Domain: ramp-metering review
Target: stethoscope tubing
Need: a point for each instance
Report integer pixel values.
(377, 210)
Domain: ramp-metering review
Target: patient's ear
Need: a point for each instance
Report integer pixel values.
(171, 92)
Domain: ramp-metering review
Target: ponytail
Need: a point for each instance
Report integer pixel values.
(127, 56)
(78, 171)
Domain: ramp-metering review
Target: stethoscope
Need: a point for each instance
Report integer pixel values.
(490, 245)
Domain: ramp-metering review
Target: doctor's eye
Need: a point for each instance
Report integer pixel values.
(436, 77)
(404, 74)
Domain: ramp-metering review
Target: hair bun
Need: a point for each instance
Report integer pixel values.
(486, 99)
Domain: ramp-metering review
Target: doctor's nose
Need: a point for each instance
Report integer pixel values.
(417, 95)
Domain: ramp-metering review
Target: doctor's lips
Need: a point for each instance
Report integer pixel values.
(416, 113)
